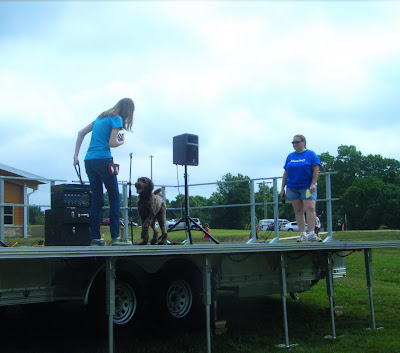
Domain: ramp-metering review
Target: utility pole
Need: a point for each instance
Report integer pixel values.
(151, 167)
(264, 198)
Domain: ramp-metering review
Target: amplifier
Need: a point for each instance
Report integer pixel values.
(68, 215)
(67, 226)
(70, 195)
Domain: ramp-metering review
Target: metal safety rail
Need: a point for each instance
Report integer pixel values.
(125, 203)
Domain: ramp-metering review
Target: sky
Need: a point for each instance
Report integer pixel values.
(244, 76)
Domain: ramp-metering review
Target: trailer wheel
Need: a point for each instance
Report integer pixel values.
(179, 298)
(126, 303)
(181, 302)
(129, 304)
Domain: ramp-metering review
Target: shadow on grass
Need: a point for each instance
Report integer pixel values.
(254, 325)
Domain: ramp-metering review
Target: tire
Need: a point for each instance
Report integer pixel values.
(181, 299)
(126, 303)
(129, 304)
(290, 229)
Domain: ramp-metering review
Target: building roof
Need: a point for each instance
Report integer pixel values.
(32, 182)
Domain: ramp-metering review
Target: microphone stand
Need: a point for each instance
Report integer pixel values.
(130, 197)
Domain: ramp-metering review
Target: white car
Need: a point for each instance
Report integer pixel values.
(265, 223)
(291, 227)
(182, 225)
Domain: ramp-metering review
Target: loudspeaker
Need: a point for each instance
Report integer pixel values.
(67, 226)
(186, 149)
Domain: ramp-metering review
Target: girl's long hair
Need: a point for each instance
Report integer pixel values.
(124, 108)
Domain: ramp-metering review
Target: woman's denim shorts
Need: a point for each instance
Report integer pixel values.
(300, 194)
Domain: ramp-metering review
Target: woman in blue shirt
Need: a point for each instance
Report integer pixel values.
(300, 178)
(105, 135)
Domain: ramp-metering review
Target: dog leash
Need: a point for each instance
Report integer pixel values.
(78, 172)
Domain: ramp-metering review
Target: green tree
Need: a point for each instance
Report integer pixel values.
(362, 200)
(36, 216)
(232, 194)
(386, 169)
(370, 203)
(178, 203)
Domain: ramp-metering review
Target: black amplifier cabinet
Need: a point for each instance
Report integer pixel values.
(67, 226)
(70, 195)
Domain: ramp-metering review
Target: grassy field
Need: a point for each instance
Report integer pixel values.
(254, 325)
(222, 235)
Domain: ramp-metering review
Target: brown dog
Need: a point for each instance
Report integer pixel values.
(151, 208)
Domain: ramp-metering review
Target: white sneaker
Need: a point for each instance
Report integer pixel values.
(97, 242)
(119, 241)
(302, 238)
(314, 237)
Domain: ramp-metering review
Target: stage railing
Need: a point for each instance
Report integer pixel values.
(125, 205)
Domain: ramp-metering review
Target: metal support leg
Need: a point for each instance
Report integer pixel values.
(328, 208)
(368, 272)
(284, 294)
(331, 295)
(276, 212)
(253, 231)
(207, 298)
(110, 301)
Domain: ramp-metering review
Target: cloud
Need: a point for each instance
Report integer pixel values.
(243, 76)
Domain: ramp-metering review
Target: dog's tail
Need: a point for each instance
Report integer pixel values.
(157, 192)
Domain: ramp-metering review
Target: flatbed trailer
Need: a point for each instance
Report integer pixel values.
(181, 281)
(183, 276)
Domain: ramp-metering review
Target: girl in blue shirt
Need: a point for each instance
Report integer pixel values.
(300, 178)
(105, 130)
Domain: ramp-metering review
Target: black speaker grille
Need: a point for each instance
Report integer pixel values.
(186, 149)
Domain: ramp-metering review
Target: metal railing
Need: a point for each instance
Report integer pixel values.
(125, 206)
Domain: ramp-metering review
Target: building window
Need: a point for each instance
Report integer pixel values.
(8, 214)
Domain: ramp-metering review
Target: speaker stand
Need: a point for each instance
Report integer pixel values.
(188, 220)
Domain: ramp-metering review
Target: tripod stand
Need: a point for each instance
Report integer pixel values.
(187, 219)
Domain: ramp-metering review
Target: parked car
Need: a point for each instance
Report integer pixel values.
(182, 225)
(171, 222)
(291, 227)
(270, 227)
(282, 224)
(265, 223)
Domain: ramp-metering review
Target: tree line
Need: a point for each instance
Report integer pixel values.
(367, 189)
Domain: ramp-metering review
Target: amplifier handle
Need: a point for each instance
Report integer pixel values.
(83, 215)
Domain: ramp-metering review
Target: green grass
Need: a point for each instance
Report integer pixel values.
(255, 325)
(222, 235)
(230, 235)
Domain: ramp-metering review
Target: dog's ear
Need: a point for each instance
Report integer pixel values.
(150, 184)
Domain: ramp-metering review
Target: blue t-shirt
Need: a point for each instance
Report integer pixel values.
(99, 147)
(299, 167)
